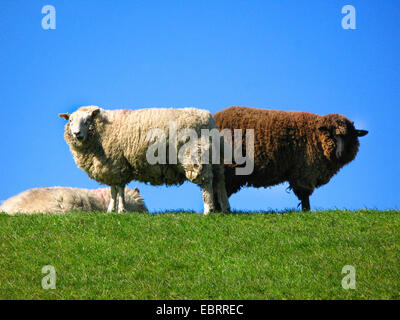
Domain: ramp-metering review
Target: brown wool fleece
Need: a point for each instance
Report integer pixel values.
(298, 147)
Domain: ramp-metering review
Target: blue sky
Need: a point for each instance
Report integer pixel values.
(288, 55)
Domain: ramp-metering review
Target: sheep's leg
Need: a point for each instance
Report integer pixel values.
(305, 203)
(121, 199)
(113, 199)
(221, 199)
(207, 194)
(304, 196)
(217, 205)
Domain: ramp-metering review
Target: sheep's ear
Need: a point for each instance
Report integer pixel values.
(361, 133)
(64, 115)
(95, 112)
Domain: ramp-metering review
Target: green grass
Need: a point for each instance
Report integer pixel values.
(290, 255)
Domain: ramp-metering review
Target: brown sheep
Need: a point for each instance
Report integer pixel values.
(301, 148)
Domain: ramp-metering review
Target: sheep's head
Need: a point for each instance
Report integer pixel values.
(134, 201)
(339, 137)
(80, 122)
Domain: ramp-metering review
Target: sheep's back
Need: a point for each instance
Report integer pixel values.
(126, 137)
(283, 142)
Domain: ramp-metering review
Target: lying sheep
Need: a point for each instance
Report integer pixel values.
(302, 148)
(65, 199)
(111, 146)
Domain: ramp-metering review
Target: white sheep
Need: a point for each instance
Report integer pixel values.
(111, 147)
(66, 199)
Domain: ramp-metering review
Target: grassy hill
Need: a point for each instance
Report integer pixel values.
(290, 255)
